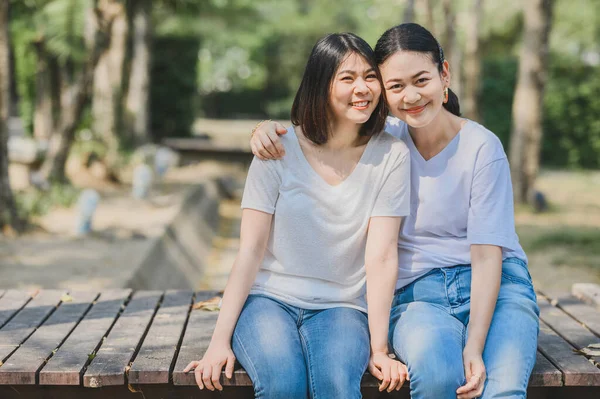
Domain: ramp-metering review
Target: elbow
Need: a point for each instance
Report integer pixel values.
(383, 265)
(252, 252)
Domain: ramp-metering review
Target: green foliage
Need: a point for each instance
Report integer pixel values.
(571, 124)
(35, 202)
(499, 79)
(173, 90)
(59, 25)
(577, 239)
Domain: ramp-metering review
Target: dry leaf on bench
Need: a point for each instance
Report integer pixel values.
(211, 305)
(590, 350)
(66, 298)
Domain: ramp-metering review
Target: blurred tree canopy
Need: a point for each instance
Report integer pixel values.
(245, 58)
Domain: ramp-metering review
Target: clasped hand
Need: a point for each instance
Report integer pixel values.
(390, 372)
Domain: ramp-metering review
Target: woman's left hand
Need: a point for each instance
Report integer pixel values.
(474, 373)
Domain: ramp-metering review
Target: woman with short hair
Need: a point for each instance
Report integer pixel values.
(317, 244)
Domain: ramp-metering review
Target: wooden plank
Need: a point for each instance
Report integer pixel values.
(583, 313)
(154, 360)
(576, 369)
(545, 374)
(588, 293)
(22, 366)
(195, 342)
(11, 302)
(67, 365)
(115, 354)
(20, 327)
(565, 326)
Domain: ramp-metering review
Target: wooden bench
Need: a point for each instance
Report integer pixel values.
(121, 344)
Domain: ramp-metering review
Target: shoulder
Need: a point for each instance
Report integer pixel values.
(395, 127)
(393, 147)
(483, 143)
(289, 138)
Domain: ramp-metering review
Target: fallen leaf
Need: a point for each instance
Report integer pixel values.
(66, 298)
(589, 350)
(210, 305)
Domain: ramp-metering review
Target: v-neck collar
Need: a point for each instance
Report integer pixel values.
(432, 160)
(311, 170)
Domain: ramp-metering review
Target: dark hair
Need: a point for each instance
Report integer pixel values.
(414, 37)
(311, 104)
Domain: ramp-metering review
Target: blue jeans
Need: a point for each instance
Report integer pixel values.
(428, 331)
(292, 353)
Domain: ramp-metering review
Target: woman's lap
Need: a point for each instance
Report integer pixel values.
(319, 351)
(428, 333)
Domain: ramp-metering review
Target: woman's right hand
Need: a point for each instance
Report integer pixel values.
(265, 143)
(390, 372)
(208, 370)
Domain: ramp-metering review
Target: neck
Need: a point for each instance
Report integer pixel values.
(343, 135)
(442, 128)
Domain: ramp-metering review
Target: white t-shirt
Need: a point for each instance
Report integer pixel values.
(315, 256)
(461, 196)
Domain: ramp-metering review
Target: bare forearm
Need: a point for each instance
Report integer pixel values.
(381, 281)
(236, 292)
(485, 285)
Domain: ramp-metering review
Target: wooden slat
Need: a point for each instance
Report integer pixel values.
(154, 360)
(113, 358)
(195, 342)
(11, 302)
(588, 293)
(20, 327)
(67, 365)
(565, 326)
(545, 374)
(576, 369)
(22, 366)
(583, 313)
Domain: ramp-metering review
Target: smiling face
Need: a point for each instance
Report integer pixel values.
(355, 91)
(414, 87)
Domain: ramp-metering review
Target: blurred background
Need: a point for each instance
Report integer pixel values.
(141, 101)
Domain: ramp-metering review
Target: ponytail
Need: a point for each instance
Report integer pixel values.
(452, 105)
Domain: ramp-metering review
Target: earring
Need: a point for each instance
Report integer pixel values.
(445, 95)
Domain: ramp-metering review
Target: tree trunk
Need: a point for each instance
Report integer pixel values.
(526, 131)
(448, 34)
(472, 63)
(452, 51)
(409, 11)
(136, 119)
(43, 116)
(75, 94)
(8, 210)
(107, 98)
(429, 11)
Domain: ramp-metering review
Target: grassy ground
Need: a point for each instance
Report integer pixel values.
(563, 244)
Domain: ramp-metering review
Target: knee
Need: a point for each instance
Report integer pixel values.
(273, 388)
(435, 378)
(339, 383)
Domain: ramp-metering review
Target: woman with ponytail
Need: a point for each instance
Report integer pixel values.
(464, 318)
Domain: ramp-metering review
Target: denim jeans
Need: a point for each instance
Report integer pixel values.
(292, 353)
(428, 331)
